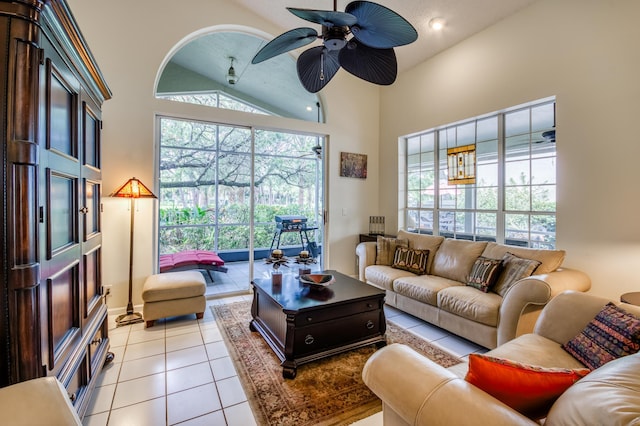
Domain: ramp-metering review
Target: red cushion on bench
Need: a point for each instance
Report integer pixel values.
(189, 257)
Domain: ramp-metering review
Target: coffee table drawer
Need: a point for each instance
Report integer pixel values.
(338, 332)
(321, 315)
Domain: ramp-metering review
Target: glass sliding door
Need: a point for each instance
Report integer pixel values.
(288, 199)
(208, 173)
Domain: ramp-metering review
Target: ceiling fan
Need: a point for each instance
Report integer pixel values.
(368, 54)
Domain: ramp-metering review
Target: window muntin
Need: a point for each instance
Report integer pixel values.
(216, 99)
(206, 178)
(514, 197)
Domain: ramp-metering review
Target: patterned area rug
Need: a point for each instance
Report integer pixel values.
(325, 392)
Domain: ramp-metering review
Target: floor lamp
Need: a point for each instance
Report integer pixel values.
(133, 189)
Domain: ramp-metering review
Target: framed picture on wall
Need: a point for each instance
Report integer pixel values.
(353, 165)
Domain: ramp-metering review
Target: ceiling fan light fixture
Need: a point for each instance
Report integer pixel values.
(335, 44)
(437, 24)
(334, 37)
(232, 78)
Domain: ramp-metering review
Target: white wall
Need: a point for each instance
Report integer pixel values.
(582, 51)
(585, 52)
(130, 40)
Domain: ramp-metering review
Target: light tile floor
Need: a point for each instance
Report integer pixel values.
(179, 372)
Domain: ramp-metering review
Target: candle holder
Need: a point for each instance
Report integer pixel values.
(276, 278)
(303, 270)
(277, 259)
(304, 258)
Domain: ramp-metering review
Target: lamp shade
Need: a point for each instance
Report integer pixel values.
(133, 188)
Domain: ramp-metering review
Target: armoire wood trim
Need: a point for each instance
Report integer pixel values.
(59, 19)
(53, 319)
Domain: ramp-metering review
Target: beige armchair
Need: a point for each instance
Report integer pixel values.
(416, 391)
(42, 401)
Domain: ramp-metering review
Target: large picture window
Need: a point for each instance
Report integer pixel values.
(513, 199)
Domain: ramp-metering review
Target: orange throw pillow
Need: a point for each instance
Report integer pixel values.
(529, 389)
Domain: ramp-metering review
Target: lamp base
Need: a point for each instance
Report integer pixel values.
(126, 319)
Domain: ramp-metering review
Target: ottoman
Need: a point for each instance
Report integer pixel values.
(172, 294)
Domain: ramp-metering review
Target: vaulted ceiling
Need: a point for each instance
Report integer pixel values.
(203, 63)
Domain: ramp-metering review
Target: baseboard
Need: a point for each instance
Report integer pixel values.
(123, 310)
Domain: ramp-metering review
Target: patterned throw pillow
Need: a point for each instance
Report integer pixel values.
(484, 273)
(386, 249)
(412, 260)
(612, 334)
(528, 389)
(514, 269)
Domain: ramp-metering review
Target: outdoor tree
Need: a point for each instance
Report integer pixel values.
(205, 181)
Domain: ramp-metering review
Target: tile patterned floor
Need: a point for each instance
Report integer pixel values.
(179, 372)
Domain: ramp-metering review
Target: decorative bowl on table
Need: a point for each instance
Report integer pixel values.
(317, 280)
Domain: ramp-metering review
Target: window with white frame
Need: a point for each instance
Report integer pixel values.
(513, 199)
(215, 99)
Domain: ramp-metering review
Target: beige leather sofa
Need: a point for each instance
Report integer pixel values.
(416, 391)
(42, 401)
(441, 297)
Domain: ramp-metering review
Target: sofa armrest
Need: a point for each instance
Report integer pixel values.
(524, 301)
(366, 253)
(37, 402)
(563, 279)
(420, 391)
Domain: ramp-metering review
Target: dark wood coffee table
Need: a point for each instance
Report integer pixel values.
(302, 324)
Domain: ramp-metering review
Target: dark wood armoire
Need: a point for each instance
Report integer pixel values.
(53, 319)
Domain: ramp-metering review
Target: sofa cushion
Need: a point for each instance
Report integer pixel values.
(537, 350)
(609, 395)
(514, 269)
(471, 304)
(422, 242)
(550, 260)
(484, 273)
(528, 389)
(386, 249)
(383, 276)
(412, 260)
(423, 288)
(531, 349)
(612, 334)
(455, 258)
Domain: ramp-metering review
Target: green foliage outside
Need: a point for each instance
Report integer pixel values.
(205, 179)
(519, 197)
(196, 230)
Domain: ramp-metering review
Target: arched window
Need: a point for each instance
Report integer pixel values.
(215, 69)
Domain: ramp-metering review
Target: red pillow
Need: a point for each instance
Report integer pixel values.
(529, 389)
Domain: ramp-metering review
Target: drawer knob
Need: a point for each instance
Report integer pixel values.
(309, 319)
(370, 324)
(309, 339)
(369, 305)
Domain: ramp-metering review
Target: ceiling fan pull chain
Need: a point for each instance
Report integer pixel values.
(322, 67)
